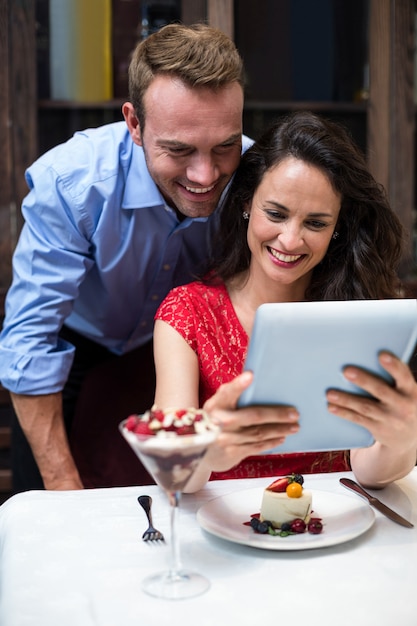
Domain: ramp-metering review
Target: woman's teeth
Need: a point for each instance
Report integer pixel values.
(286, 258)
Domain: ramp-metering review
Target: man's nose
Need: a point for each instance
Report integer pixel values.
(202, 170)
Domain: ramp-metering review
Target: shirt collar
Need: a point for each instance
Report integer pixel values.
(140, 190)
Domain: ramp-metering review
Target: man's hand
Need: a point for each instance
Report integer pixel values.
(42, 422)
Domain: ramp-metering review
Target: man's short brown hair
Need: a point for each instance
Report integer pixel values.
(199, 55)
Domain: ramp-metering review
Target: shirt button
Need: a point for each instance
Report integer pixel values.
(167, 267)
(154, 297)
(143, 323)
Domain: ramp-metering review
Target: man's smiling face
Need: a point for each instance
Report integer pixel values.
(192, 142)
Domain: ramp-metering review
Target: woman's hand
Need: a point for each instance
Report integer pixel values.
(245, 431)
(390, 416)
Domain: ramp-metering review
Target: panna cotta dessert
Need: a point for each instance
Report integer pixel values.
(285, 500)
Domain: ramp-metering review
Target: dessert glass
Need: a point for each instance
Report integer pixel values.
(172, 461)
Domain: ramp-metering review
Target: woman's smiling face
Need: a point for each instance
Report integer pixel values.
(292, 219)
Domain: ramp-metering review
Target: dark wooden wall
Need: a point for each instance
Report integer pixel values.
(17, 122)
(17, 150)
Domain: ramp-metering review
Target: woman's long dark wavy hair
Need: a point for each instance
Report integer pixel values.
(362, 262)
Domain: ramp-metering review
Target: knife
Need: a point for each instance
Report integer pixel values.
(380, 506)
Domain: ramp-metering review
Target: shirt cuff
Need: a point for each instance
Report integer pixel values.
(36, 374)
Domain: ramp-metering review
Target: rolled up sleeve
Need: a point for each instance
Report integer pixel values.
(35, 374)
(50, 262)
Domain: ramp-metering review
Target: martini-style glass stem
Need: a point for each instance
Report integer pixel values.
(172, 460)
(174, 500)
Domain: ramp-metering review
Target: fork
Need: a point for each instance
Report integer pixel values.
(151, 533)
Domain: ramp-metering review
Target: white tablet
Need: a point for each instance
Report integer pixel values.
(298, 351)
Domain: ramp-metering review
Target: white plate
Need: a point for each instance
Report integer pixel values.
(343, 518)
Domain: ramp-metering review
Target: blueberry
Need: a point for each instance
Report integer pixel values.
(263, 528)
(285, 526)
(298, 479)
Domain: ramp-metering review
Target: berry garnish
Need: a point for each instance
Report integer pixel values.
(297, 478)
(263, 527)
(315, 526)
(294, 490)
(298, 525)
(186, 430)
(279, 485)
(170, 422)
(156, 414)
(131, 422)
(260, 527)
(142, 428)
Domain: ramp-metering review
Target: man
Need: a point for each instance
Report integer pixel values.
(114, 219)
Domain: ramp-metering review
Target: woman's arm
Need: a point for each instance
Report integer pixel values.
(177, 371)
(244, 432)
(177, 382)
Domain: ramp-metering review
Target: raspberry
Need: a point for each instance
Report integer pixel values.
(186, 430)
(142, 428)
(157, 414)
(131, 422)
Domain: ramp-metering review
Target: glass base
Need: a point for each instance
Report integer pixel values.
(175, 585)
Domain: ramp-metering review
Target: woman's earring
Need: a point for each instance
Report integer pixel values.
(245, 215)
(335, 235)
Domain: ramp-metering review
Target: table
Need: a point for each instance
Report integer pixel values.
(76, 558)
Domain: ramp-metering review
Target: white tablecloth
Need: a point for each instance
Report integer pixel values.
(77, 559)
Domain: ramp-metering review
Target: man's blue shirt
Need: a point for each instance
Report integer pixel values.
(99, 250)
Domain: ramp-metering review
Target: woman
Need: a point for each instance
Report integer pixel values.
(304, 220)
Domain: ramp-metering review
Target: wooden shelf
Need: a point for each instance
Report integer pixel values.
(250, 105)
(337, 107)
(387, 119)
(75, 105)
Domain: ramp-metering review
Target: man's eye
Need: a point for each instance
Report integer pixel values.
(179, 151)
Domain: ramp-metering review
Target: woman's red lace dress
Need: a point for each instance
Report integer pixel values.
(205, 317)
